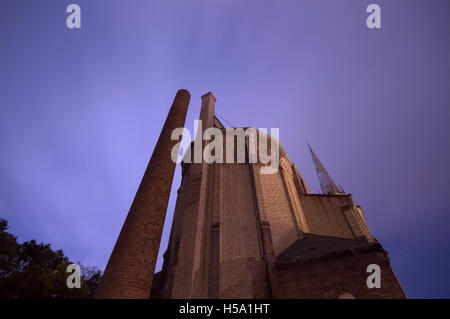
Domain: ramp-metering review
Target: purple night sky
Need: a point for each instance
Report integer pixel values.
(81, 110)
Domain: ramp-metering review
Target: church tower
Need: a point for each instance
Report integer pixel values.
(237, 233)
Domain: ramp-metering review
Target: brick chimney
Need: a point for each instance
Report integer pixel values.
(130, 269)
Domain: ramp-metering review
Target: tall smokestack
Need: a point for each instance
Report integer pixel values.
(130, 269)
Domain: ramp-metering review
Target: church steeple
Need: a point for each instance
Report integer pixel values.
(326, 182)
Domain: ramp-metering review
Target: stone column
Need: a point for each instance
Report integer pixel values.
(130, 269)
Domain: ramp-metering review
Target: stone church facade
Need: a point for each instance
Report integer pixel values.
(237, 233)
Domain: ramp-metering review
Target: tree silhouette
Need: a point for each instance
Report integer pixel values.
(34, 271)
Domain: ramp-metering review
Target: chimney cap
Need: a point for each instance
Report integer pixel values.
(209, 95)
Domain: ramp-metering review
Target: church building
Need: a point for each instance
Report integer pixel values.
(237, 233)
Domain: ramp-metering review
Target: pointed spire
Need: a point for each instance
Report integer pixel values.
(326, 182)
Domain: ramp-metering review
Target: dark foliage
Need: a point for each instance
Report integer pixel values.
(32, 270)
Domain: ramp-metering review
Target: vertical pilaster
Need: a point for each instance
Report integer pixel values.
(207, 111)
(202, 169)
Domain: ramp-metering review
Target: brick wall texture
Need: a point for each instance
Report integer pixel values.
(231, 223)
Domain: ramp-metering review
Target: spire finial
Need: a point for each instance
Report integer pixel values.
(326, 182)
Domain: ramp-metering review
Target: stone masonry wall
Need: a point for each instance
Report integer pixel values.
(334, 277)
